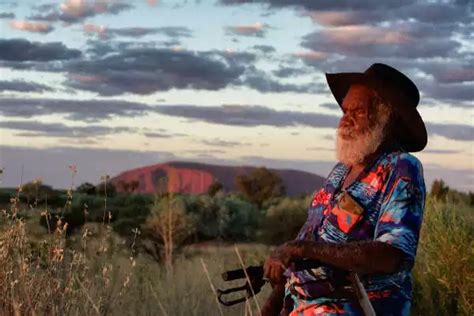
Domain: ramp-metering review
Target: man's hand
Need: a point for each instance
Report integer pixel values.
(280, 259)
(273, 269)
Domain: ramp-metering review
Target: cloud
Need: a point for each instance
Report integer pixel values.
(23, 86)
(223, 143)
(451, 131)
(330, 105)
(382, 41)
(286, 72)
(74, 11)
(24, 50)
(258, 29)
(34, 27)
(174, 32)
(249, 116)
(325, 5)
(261, 82)
(163, 134)
(61, 130)
(148, 70)
(266, 49)
(7, 15)
(77, 110)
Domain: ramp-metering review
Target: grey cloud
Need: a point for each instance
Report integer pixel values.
(205, 151)
(144, 71)
(439, 79)
(170, 31)
(81, 110)
(261, 82)
(238, 115)
(452, 131)
(250, 116)
(163, 134)
(325, 5)
(331, 106)
(247, 30)
(267, 49)
(7, 15)
(61, 130)
(328, 41)
(24, 50)
(223, 143)
(286, 72)
(157, 135)
(23, 86)
(79, 12)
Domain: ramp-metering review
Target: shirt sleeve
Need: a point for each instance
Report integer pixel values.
(401, 211)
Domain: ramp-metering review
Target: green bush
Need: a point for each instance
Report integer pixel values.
(283, 219)
(223, 216)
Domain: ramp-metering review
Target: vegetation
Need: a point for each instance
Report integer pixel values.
(134, 254)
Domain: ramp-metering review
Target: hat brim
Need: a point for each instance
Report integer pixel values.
(412, 134)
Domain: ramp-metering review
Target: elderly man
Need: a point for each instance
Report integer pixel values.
(367, 216)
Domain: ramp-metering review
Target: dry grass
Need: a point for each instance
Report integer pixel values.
(94, 272)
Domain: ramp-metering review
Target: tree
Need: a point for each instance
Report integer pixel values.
(106, 188)
(167, 227)
(35, 191)
(214, 188)
(260, 185)
(439, 189)
(86, 188)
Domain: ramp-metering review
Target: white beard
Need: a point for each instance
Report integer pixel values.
(353, 151)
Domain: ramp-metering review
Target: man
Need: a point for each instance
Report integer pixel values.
(367, 217)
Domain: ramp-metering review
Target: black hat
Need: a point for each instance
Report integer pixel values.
(393, 87)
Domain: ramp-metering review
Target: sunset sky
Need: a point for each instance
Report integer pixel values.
(109, 86)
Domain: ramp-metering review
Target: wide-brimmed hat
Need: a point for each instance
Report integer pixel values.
(393, 87)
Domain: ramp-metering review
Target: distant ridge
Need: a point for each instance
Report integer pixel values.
(195, 178)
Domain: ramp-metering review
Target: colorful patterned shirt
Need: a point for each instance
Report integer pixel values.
(391, 192)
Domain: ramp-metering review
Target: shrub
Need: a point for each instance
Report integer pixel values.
(444, 269)
(283, 219)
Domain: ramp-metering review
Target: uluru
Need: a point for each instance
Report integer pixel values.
(195, 178)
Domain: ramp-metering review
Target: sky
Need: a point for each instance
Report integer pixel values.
(109, 86)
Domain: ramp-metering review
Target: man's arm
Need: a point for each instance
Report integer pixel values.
(360, 256)
(274, 303)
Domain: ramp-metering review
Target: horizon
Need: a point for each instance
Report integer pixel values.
(111, 85)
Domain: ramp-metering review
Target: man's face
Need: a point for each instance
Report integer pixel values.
(359, 112)
(362, 127)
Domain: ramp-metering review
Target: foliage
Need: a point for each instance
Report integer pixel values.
(260, 185)
(35, 192)
(444, 270)
(86, 188)
(439, 189)
(214, 188)
(167, 227)
(283, 220)
(224, 216)
(106, 189)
